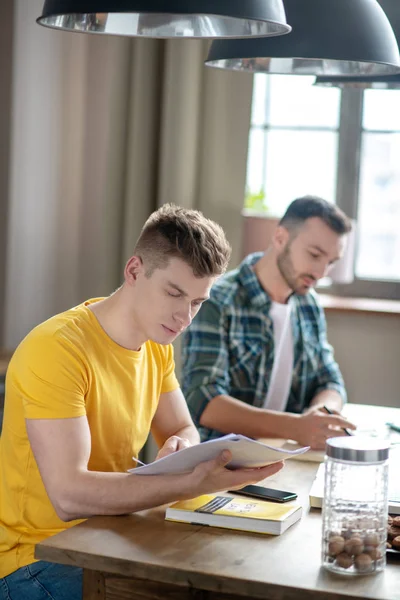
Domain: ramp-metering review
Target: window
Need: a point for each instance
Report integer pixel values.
(379, 192)
(293, 141)
(341, 145)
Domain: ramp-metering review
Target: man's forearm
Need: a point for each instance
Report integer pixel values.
(96, 493)
(190, 433)
(229, 415)
(330, 398)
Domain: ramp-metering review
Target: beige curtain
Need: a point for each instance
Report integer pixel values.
(6, 45)
(104, 130)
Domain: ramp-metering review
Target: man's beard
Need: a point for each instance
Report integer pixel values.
(287, 271)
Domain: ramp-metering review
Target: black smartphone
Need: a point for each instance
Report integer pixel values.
(257, 491)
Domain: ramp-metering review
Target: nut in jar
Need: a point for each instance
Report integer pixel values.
(355, 550)
(354, 511)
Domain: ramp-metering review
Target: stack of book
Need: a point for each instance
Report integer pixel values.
(230, 512)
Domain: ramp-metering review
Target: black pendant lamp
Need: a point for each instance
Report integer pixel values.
(390, 82)
(392, 10)
(168, 18)
(329, 37)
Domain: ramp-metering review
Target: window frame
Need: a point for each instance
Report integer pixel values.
(350, 131)
(347, 190)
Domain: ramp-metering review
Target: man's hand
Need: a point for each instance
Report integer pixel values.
(173, 444)
(315, 426)
(213, 476)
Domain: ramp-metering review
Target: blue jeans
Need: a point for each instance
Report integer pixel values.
(42, 581)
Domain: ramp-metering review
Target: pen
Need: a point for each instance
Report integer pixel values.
(139, 461)
(394, 427)
(328, 410)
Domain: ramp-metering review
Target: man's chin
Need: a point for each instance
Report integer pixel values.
(167, 337)
(302, 290)
(162, 340)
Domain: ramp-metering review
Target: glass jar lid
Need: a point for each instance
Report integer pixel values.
(357, 449)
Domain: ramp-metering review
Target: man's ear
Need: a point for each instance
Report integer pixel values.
(133, 268)
(280, 238)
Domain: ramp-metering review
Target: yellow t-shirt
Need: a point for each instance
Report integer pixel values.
(68, 367)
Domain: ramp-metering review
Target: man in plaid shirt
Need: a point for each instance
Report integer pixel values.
(256, 359)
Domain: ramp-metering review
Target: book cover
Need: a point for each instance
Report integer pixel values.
(231, 512)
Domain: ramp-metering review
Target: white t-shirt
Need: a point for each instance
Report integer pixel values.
(282, 369)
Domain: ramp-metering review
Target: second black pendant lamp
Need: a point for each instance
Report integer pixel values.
(168, 18)
(392, 10)
(329, 37)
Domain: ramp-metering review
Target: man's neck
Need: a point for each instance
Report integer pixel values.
(116, 321)
(270, 278)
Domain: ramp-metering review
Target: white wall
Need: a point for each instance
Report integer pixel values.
(367, 348)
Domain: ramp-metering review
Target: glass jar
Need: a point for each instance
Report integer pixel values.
(355, 506)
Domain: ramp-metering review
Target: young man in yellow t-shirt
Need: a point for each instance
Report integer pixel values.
(83, 391)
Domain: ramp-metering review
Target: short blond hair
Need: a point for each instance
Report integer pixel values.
(176, 232)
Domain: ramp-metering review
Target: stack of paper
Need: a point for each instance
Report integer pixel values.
(245, 453)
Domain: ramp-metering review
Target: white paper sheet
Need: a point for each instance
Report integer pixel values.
(245, 453)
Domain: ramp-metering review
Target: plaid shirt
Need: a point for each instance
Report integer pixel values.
(229, 347)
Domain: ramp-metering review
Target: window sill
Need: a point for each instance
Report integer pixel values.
(340, 304)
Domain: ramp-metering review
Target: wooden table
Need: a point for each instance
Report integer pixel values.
(143, 557)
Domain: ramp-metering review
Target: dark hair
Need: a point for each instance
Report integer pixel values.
(176, 232)
(308, 207)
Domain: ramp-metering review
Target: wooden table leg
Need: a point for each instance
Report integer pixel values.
(94, 587)
(107, 586)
